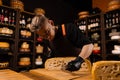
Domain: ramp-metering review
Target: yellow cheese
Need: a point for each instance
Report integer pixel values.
(106, 70)
(60, 63)
(4, 45)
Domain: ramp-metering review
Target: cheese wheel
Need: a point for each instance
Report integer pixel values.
(60, 63)
(39, 11)
(1, 2)
(83, 13)
(106, 70)
(25, 59)
(114, 2)
(4, 45)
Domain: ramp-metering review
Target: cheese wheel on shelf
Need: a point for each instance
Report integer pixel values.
(4, 45)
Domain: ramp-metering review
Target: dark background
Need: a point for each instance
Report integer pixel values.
(60, 11)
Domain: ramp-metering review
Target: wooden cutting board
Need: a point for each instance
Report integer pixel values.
(8, 74)
(62, 75)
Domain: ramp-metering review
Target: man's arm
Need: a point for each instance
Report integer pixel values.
(75, 65)
(86, 51)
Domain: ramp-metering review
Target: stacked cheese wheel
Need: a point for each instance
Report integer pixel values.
(83, 14)
(106, 70)
(24, 61)
(60, 63)
(113, 5)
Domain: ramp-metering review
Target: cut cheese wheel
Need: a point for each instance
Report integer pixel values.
(60, 63)
(106, 70)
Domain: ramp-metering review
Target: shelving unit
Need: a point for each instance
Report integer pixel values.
(98, 29)
(15, 33)
(7, 37)
(112, 29)
(25, 42)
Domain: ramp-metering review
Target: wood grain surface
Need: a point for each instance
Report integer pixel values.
(8, 74)
(62, 75)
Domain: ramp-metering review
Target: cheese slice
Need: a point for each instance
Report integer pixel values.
(60, 63)
(106, 70)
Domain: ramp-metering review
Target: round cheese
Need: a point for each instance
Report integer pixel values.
(60, 63)
(4, 45)
(106, 70)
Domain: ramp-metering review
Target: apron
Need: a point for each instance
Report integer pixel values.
(62, 47)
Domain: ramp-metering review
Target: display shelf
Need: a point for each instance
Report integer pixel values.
(107, 32)
(10, 20)
(112, 30)
(94, 33)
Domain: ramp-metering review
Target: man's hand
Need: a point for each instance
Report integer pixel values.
(75, 65)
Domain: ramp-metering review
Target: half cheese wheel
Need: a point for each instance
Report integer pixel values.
(106, 70)
(60, 63)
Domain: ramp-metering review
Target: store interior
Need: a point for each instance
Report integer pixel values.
(24, 54)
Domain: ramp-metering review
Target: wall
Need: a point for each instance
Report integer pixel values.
(60, 11)
(102, 4)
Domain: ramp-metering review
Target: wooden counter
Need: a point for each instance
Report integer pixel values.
(8, 74)
(62, 75)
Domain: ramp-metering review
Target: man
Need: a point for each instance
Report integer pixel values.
(65, 40)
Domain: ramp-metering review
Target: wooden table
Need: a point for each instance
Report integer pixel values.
(8, 74)
(62, 75)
